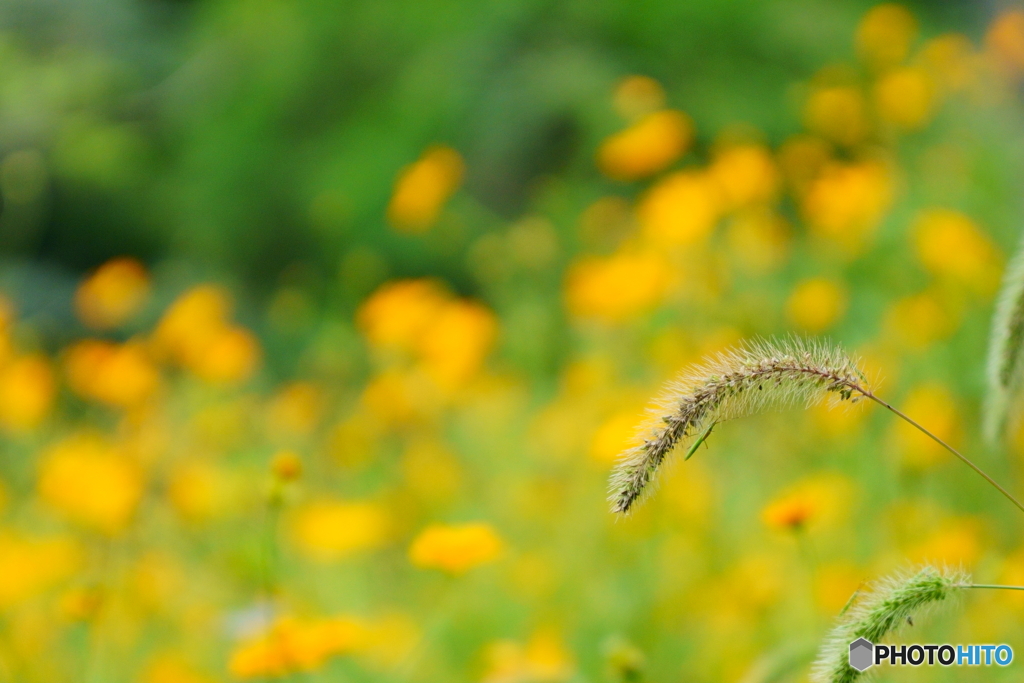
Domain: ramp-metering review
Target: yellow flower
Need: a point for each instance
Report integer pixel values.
(616, 287)
(746, 174)
(455, 548)
(121, 375)
(544, 659)
(637, 96)
(919, 320)
(228, 355)
(834, 584)
(885, 34)
(818, 500)
(681, 209)
(456, 343)
(286, 465)
(847, 201)
(951, 61)
(396, 315)
(397, 398)
(1005, 41)
(27, 392)
(615, 435)
(816, 304)
(934, 407)
(905, 97)
(292, 645)
(950, 244)
(837, 113)
(200, 491)
(423, 188)
(954, 543)
(646, 147)
(91, 482)
(331, 530)
(759, 240)
(196, 333)
(112, 294)
(170, 668)
(31, 565)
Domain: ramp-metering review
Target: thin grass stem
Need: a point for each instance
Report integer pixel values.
(967, 461)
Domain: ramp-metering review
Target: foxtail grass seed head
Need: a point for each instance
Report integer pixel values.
(758, 376)
(882, 610)
(1006, 349)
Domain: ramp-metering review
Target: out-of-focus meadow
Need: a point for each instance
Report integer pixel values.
(322, 325)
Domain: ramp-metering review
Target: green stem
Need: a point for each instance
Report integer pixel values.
(995, 586)
(949, 448)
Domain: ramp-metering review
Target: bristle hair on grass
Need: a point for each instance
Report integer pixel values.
(1006, 349)
(881, 611)
(759, 375)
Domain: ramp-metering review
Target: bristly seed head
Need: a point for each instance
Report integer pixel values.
(1006, 349)
(881, 610)
(758, 376)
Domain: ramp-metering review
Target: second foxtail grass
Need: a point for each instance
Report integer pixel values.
(757, 376)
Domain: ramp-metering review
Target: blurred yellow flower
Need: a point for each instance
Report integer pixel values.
(92, 483)
(920, 320)
(954, 543)
(847, 201)
(885, 34)
(759, 239)
(616, 434)
(295, 409)
(286, 466)
(456, 343)
(637, 96)
(171, 668)
(819, 500)
(229, 354)
(837, 113)
(905, 97)
(835, 584)
(121, 375)
(1005, 41)
(397, 314)
(616, 287)
(80, 603)
(646, 147)
(681, 209)
(31, 565)
(400, 398)
(816, 304)
(423, 188)
(331, 530)
(934, 406)
(951, 61)
(291, 645)
(27, 392)
(544, 659)
(112, 294)
(455, 548)
(200, 491)
(950, 244)
(746, 174)
(196, 333)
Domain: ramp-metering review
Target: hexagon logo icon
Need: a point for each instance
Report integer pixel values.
(862, 654)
